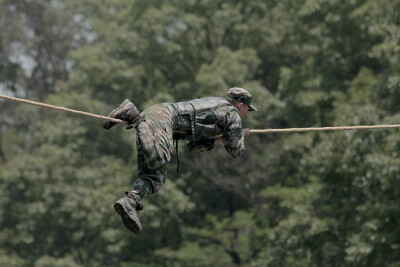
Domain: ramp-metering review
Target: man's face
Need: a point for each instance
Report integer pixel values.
(243, 110)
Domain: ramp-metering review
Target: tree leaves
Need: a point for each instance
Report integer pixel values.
(323, 199)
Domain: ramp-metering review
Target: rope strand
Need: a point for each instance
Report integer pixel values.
(288, 130)
(319, 129)
(63, 109)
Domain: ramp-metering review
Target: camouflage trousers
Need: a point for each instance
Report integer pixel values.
(154, 140)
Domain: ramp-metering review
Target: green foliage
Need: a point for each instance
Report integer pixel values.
(313, 199)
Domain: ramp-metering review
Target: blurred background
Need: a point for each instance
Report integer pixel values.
(309, 199)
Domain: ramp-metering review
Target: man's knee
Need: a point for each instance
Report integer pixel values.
(150, 149)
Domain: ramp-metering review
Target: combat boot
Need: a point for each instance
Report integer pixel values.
(126, 111)
(126, 207)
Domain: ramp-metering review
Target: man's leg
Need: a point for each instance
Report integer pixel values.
(154, 144)
(150, 180)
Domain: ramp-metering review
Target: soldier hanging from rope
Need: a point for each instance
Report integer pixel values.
(203, 122)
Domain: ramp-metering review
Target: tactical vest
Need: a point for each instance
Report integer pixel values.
(187, 111)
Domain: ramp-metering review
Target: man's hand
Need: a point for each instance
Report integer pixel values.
(217, 140)
(245, 133)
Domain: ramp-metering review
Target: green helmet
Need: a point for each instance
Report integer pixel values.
(240, 95)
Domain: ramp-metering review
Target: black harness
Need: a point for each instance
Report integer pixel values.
(189, 110)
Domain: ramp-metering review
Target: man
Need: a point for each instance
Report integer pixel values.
(203, 122)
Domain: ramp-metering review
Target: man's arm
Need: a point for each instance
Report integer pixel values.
(245, 134)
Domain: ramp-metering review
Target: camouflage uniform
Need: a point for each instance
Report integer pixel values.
(154, 141)
(200, 121)
(213, 117)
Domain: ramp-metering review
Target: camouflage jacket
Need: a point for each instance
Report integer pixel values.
(203, 120)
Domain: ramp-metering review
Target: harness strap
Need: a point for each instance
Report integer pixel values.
(192, 119)
(177, 155)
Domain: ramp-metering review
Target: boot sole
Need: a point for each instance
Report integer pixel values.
(108, 124)
(128, 216)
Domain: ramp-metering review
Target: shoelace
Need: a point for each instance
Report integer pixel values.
(138, 205)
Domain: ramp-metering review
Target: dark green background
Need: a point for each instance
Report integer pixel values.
(312, 199)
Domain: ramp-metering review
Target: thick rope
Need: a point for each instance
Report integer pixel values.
(288, 130)
(62, 109)
(319, 129)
